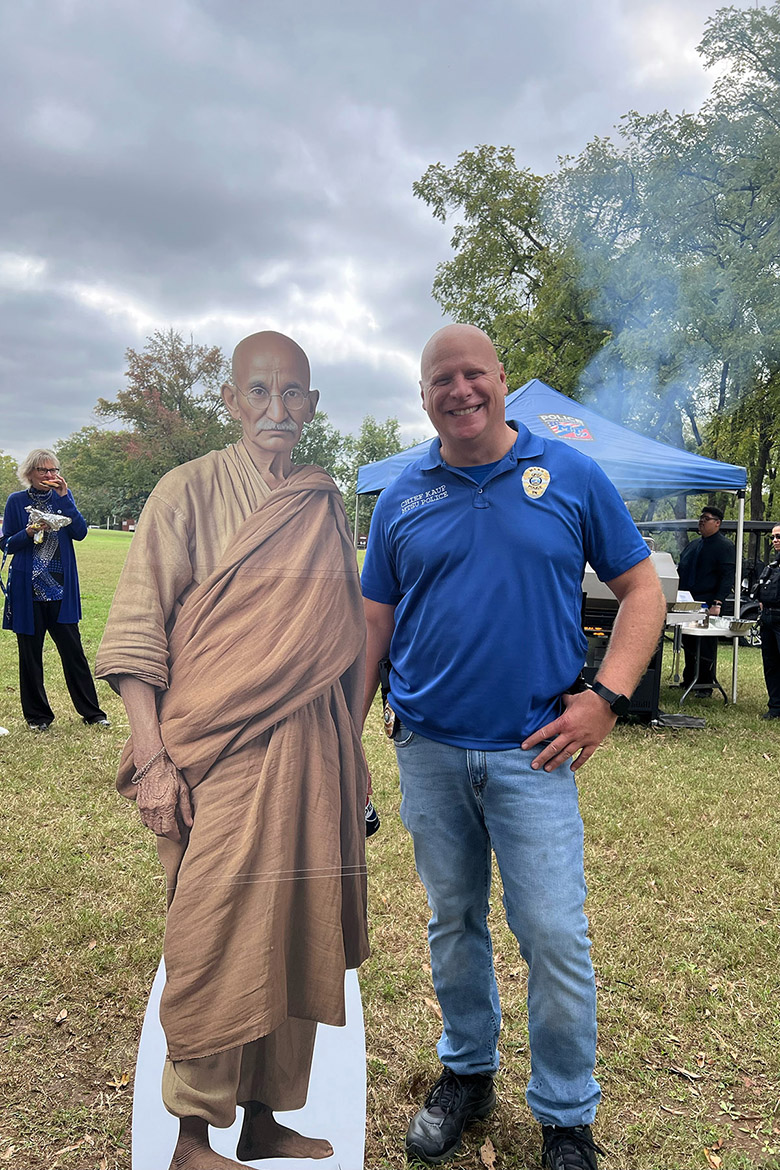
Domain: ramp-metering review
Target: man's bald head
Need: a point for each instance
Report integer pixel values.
(463, 387)
(455, 335)
(273, 347)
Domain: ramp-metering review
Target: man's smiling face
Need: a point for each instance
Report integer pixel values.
(463, 389)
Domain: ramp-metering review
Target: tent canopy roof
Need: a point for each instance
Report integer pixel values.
(640, 468)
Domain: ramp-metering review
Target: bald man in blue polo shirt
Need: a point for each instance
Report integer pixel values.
(472, 585)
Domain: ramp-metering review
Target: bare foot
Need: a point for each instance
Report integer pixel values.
(263, 1137)
(193, 1151)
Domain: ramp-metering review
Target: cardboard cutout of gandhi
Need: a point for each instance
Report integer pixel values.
(236, 641)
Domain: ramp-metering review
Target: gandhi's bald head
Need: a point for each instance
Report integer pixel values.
(273, 347)
(455, 335)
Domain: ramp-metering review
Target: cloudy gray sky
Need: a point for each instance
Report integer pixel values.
(223, 166)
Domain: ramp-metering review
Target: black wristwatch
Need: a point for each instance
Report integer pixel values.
(619, 704)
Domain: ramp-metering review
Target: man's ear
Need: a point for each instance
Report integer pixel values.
(229, 392)
(314, 397)
(422, 397)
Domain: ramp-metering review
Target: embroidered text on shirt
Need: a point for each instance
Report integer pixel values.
(432, 496)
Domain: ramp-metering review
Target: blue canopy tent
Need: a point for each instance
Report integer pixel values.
(640, 468)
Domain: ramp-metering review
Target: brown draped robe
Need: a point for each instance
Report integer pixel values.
(261, 715)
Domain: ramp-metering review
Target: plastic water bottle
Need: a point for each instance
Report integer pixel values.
(703, 619)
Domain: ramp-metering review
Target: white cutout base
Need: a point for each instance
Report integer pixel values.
(335, 1109)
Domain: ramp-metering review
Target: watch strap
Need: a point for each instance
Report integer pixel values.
(619, 704)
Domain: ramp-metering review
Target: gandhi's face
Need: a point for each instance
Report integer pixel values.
(270, 394)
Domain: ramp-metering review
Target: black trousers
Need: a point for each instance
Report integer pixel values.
(78, 677)
(770, 655)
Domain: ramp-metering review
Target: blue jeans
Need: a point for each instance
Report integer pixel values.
(457, 804)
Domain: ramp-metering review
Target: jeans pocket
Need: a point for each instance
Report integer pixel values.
(403, 736)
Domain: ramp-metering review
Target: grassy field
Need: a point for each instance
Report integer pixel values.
(683, 839)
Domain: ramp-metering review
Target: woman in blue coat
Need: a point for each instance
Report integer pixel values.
(43, 590)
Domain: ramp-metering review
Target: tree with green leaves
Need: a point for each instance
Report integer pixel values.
(108, 483)
(678, 228)
(172, 404)
(375, 440)
(8, 480)
(643, 273)
(321, 443)
(508, 275)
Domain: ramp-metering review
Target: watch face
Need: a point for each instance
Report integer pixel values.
(621, 705)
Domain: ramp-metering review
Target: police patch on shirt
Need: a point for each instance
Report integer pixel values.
(535, 481)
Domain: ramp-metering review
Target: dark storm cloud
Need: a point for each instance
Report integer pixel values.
(221, 165)
(53, 353)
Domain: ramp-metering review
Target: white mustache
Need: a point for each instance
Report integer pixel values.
(268, 424)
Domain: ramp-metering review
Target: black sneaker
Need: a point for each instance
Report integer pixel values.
(770, 715)
(435, 1131)
(569, 1148)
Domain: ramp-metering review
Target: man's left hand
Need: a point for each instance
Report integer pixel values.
(586, 721)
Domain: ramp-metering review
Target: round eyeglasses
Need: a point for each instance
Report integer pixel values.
(294, 398)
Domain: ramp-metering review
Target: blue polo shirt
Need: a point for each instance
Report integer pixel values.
(486, 580)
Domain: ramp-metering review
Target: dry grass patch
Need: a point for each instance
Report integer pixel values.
(682, 841)
(682, 838)
(81, 906)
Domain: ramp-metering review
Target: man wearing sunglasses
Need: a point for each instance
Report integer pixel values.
(236, 641)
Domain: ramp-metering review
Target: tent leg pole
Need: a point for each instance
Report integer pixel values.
(738, 589)
(357, 513)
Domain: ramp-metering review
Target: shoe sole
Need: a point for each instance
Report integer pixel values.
(426, 1160)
